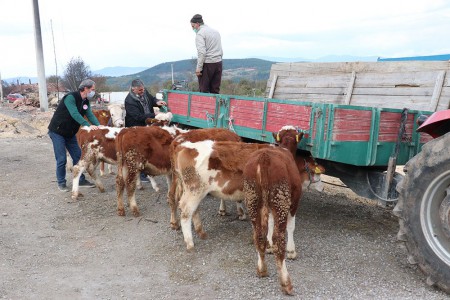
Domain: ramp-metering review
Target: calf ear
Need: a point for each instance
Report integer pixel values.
(299, 137)
(150, 121)
(276, 136)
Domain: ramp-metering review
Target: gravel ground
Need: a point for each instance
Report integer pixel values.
(55, 248)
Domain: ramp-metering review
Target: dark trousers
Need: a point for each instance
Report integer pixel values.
(60, 144)
(211, 78)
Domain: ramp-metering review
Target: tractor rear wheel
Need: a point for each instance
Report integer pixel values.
(423, 209)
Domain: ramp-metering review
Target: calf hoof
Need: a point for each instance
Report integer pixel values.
(136, 212)
(291, 254)
(121, 212)
(287, 288)
(203, 235)
(74, 196)
(175, 226)
(223, 213)
(243, 217)
(190, 247)
(262, 273)
(102, 189)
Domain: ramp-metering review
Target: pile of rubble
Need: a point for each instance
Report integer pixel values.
(23, 119)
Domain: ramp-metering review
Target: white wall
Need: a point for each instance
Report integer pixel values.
(115, 97)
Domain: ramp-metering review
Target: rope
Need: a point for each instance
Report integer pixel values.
(209, 119)
(230, 120)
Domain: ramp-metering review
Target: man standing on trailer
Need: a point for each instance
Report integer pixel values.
(209, 60)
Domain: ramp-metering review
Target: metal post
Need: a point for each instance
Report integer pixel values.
(43, 100)
(1, 88)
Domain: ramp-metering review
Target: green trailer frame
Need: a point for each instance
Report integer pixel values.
(348, 134)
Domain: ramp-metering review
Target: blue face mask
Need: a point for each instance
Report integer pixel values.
(195, 30)
(91, 94)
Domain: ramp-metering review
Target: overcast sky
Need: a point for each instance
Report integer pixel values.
(144, 33)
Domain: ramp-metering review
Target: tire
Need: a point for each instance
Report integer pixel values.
(423, 209)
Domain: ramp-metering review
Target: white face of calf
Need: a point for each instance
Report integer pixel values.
(117, 115)
(315, 182)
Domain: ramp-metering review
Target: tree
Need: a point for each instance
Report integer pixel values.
(76, 71)
(100, 84)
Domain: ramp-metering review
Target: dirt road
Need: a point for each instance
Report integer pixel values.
(54, 248)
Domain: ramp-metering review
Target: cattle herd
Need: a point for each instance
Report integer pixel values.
(265, 180)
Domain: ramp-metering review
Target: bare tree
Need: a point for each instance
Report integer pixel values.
(75, 72)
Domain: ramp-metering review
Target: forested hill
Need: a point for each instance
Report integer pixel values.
(233, 69)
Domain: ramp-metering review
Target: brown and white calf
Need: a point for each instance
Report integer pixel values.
(141, 149)
(196, 135)
(215, 168)
(272, 189)
(96, 146)
(114, 116)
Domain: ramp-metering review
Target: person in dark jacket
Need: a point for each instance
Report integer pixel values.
(139, 105)
(64, 125)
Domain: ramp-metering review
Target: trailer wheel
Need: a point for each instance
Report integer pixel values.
(423, 209)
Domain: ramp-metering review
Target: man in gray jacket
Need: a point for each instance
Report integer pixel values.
(209, 60)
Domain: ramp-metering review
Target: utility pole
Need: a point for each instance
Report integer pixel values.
(56, 63)
(1, 88)
(43, 100)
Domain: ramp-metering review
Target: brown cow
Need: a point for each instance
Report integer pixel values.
(196, 135)
(96, 146)
(215, 168)
(141, 149)
(113, 116)
(272, 189)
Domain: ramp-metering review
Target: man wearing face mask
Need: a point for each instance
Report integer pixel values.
(139, 105)
(64, 125)
(209, 60)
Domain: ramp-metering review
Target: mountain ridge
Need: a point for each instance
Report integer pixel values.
(257, 68)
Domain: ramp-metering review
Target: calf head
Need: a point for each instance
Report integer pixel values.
(117, 112)
(161, 119)
(313, 171)
(288, 137)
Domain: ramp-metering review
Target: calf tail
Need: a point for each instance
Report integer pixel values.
(262, 188)
(263, 175)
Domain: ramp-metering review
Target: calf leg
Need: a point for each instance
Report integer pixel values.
(240, 210)
(198, 225)
(239, 207)
(131, 191)
(279, 251)
(259, 239)
(91, 170)
(270, 234)
(222, 208)
(77, 171)
(290, 250)
(102, 169)
(110, 169)
(120, 186)
(188, 205)
(154, 183)
(172, 199)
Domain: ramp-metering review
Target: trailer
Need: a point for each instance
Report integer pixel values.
(360, 120)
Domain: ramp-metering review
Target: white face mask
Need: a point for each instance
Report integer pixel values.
(91, 94)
